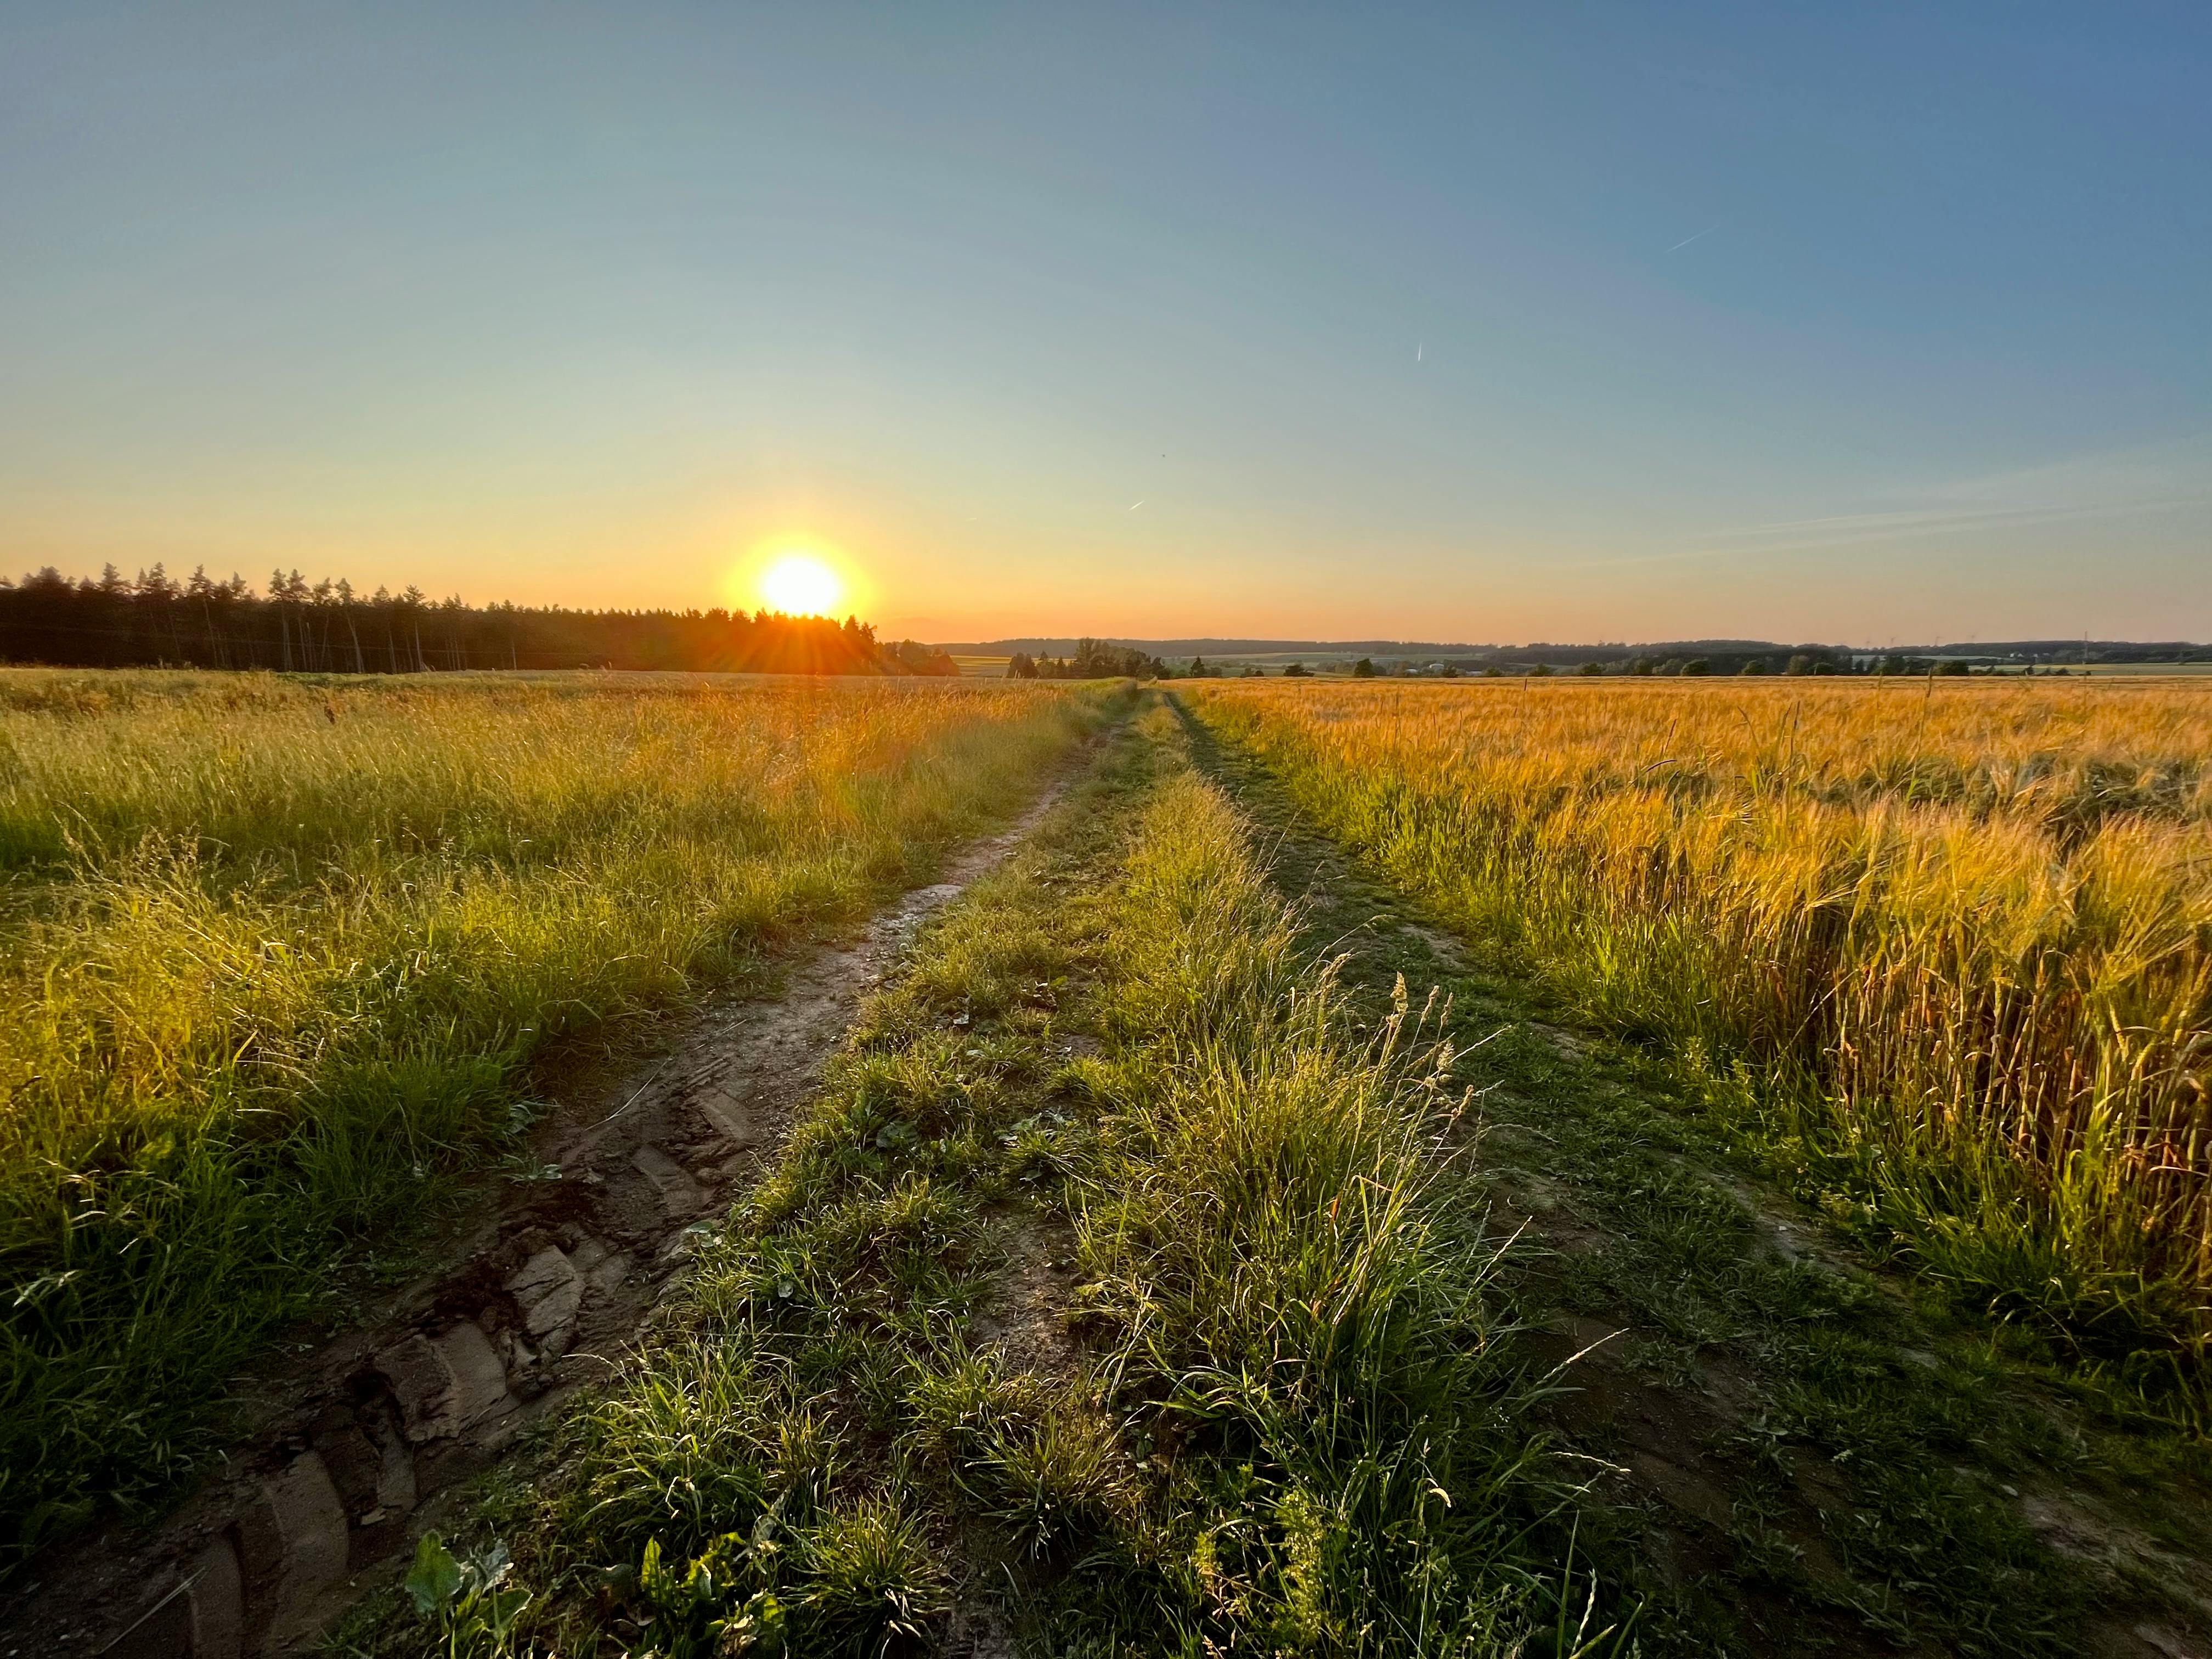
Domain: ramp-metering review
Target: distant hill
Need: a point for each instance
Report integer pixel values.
(1049, 647)
(1062, 646)
(2059, 651)
(2063, 650)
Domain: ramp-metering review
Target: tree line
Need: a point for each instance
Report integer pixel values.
(1094, 659)
(114, 622)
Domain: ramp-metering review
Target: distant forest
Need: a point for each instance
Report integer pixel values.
(114, 622)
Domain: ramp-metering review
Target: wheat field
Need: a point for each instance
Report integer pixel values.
(1948, 945)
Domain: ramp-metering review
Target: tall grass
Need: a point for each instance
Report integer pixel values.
(1291, 1431)
(277, 953)
(1292, 1274)
(1954, 943)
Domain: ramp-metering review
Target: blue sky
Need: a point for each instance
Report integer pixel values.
(1546, 321)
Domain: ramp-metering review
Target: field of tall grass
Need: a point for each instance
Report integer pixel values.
(1946, 950)
(277, 956)
(1288, 1423)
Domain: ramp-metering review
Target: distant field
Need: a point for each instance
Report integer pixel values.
(277, 953)
(2130, 669)
(1946, 947)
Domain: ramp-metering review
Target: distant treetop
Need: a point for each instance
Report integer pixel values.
(114, 622)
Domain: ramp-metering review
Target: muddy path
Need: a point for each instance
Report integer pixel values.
(360, 1445)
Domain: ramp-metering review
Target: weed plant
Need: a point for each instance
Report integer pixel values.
(1274, 1249)
(280, 953)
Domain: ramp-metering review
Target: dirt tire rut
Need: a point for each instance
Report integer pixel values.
(361, 1444)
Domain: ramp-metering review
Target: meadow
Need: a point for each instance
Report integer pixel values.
(280, 955)
(1943, 950)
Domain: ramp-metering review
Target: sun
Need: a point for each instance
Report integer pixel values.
(800, 585)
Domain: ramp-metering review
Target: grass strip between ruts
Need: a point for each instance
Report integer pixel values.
(1258, 1402)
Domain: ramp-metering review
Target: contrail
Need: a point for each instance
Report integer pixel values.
(1418, 349)
(1687, 240)
(1134, 506)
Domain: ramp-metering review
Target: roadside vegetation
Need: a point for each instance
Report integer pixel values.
(1943, 954)
(1160, 1272)
(1123, 1291)
(280, 955)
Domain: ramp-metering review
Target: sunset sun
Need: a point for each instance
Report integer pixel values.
(799, 585)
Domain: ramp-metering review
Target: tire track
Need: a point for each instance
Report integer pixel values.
(362, 1444)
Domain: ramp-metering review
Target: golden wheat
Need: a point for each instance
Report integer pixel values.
(1972, 923)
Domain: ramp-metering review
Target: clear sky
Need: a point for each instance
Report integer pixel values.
(1502, 322)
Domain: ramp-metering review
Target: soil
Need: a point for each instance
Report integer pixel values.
(1026, 1316)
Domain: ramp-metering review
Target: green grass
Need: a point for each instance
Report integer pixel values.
(280, 955)
(1284, 1262)
(291, 949)
(1271, 1407)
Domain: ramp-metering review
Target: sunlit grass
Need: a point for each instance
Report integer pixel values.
(1288, 1423)
(277, 953)
(1952, 944)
